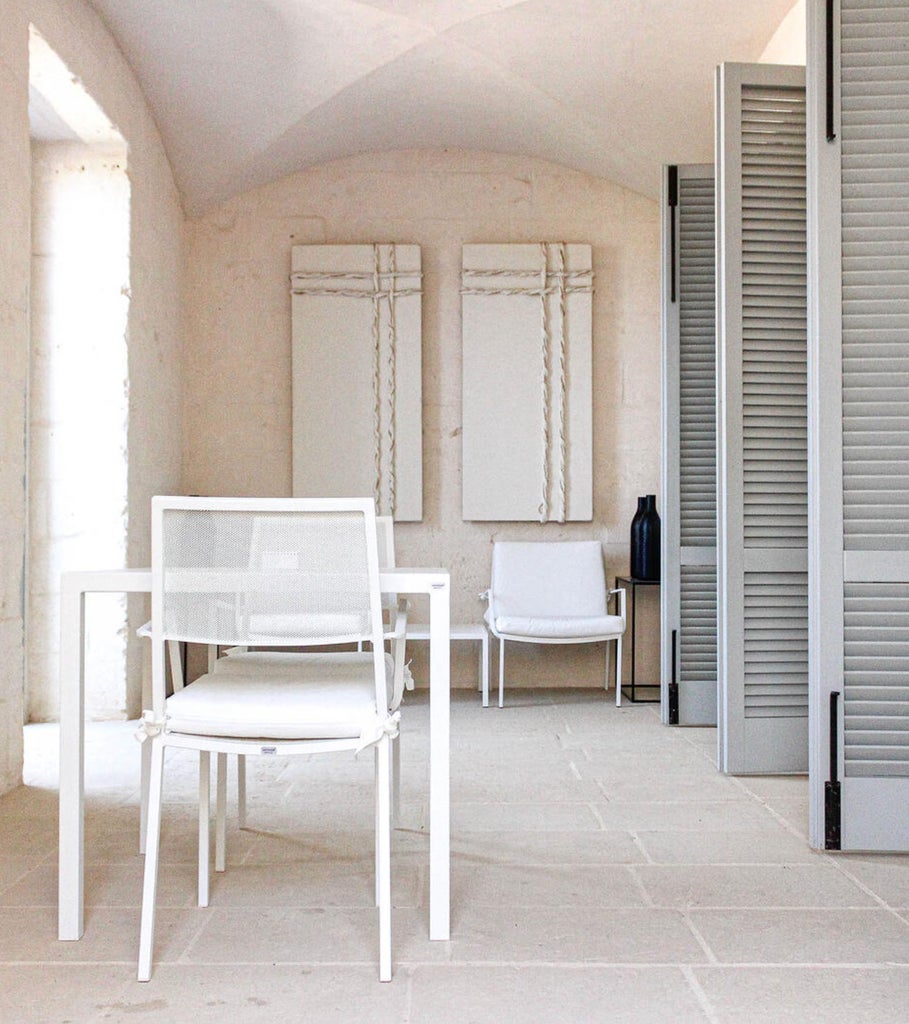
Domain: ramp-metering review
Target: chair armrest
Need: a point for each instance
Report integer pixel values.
(398, 637)
(398, 629)
(173, 653)
(620, 592)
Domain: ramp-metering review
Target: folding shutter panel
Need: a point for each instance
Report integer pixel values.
(688, 591)
(762, 557)
(859, 141)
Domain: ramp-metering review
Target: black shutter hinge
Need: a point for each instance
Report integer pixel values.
(828, 72)
(673, 202)
(674, 685)
(832, 809)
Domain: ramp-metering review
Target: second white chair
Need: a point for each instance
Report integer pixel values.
(553, 592)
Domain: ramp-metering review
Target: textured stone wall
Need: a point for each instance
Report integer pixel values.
(238, 390)
(154, 326)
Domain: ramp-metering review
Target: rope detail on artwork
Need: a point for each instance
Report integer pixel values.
(563, 384)
(559, 282)
(380, 286)
(392, 377)
(544, 325)
(377, 377)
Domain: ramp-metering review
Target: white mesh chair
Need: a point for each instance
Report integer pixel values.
(269, 573)
(552, 592)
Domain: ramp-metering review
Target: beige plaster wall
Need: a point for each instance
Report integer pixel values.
(237, 414)
(156, 239)
(789, 44)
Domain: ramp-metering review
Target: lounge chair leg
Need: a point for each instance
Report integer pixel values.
(608, 652)
(618, 672)
(501, 673)
(484, 668)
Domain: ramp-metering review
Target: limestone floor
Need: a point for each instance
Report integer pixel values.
(602, 871)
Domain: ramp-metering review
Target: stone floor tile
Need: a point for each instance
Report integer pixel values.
(550, 885)
(887, 876)
(588, 934)
(803, 936)
(750, 885)
(544, 994)
(806, 995)
(523, 816)
(742, 846)
(218, 994)
(561, 848)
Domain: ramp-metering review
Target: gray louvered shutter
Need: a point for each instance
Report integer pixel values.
(860, 386)
(688, 591)
(762, 381)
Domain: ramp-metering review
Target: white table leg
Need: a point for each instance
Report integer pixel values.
(439, 772)
(72, 762)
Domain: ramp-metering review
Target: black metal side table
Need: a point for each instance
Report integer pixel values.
(632, 583)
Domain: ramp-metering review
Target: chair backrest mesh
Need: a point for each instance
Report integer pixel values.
(265, 578)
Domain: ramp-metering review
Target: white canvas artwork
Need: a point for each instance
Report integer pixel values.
(357, 373)
(527, 313)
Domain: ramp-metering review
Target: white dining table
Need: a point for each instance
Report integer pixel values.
(71, 865)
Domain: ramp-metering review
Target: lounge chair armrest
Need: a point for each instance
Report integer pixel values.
(620, 592)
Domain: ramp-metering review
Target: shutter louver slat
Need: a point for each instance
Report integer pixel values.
(875, 260)
(688, 594)
(876, 679)
(774, 321)
(697, 373)
(776, 645)
(697, 635)
(762, 336)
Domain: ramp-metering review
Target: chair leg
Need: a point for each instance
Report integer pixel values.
(501, 673)
(152, 845)
(241, 790)
(383, 854)
(221, 812)
(618, 672)
(376, 810)
(144, 785)
(204, 825)
(484, 669)
(608, 652)
(396, 780)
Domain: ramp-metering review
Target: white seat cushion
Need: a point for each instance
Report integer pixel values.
(558, 627)
(281, 696)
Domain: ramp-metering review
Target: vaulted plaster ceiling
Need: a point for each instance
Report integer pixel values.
(246, 91)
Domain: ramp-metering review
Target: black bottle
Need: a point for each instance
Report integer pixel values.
(645, 540)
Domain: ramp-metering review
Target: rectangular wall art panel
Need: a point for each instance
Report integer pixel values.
(527, 406)
(357, 398)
